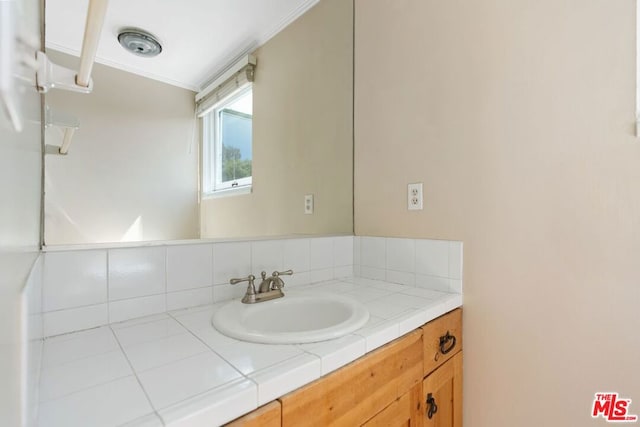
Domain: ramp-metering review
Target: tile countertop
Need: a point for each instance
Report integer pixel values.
(175, 369)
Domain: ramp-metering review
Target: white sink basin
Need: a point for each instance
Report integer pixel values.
(298, 317)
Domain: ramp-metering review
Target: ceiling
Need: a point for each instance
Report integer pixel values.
(200, 38)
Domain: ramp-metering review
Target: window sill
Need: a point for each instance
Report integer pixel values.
(234, 191)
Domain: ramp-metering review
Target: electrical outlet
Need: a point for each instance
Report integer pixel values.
(414, 196)
(308, 204)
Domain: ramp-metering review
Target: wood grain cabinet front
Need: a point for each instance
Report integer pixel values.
(354, 394)
(405, 411)
(268, 415)
(442, 339)
(442, 393)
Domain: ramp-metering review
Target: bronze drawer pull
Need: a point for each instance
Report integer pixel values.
(443, 343)
(432, 408)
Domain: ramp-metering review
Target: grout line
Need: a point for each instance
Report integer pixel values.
(45, 338)
(208, 346)
(76, 307)
(135, 374)
(83, 389)
(166, 273)
(213, 272)
(108, 287)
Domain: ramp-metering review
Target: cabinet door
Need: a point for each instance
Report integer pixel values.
(442, 395)
(406, 411)
(355, 393)
(265, 416)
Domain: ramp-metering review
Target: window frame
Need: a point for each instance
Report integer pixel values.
(212, 184)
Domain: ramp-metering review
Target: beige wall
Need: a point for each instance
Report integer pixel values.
(302, 133)
(134, 158)
(518, 117)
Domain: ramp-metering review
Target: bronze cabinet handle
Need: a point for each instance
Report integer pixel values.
(444, 349)
(432, 408)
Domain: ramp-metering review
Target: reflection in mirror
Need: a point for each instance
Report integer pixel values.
(132, 173)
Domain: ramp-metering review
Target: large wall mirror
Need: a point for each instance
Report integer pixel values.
(132, 171)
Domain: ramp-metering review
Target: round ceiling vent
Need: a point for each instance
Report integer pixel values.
(139, 42)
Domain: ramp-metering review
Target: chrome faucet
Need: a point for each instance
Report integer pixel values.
(270, 287)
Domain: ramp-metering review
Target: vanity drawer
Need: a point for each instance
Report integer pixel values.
(442, 338)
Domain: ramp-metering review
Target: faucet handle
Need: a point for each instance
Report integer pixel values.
(278, 283)
(250, 278)
(251, 289)
(282, 273)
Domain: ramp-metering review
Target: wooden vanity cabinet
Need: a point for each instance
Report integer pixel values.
(354, 394)
(442, 339)
(390, 386)
(405, 411)
(442, 386)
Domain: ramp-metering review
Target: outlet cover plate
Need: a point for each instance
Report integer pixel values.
(414, 196)
(308, 204)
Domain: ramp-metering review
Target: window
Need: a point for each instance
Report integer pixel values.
(226, 109)
(227, 143)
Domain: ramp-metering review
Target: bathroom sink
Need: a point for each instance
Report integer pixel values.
(298, 317)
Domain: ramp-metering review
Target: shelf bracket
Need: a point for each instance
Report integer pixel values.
(53, 76)
(65, 122)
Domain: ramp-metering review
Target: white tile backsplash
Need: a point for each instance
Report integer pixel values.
(189, 267)
(432, 257)
(267, 255)
(231, 260)
(296, 255)
(373, 252)
(401, 255)
(87, 288)
(455, 260)
(321, 253)
(423, 263)
(74, 279)
(189, 298)
(137, 272)
(228, 292)
(298, 279)
(316, 276)
(343, 251)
